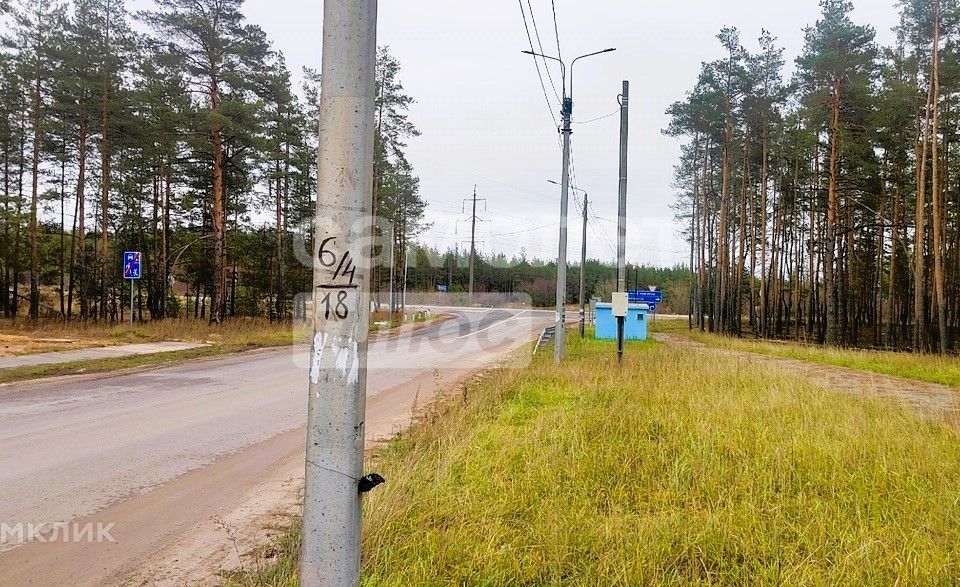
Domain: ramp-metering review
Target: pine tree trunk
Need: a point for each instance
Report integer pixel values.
(63, 231)
(7, 261)
(35, 170)
(829, 283)
(280, 301)
(219, 294)
(892, 288)
(722, 244)
(919, 262)
(103, 260)
(813, 302)
(936, 194)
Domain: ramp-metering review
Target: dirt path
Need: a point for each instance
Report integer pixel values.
(931, 400)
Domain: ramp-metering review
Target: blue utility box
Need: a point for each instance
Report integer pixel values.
(634, 325)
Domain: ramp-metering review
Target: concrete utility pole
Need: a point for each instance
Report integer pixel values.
(566, 111)
(583, 270)
(559, 337)
(406, 267)
(473, 233)
(393, 264)
(622, 217)
(341, 298)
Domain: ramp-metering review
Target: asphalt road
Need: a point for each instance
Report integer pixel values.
(154, 451)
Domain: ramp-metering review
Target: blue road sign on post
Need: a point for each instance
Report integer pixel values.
(131, 271)
(641, 296)
(131, 265)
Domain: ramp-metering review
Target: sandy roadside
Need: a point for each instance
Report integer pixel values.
(229, 540)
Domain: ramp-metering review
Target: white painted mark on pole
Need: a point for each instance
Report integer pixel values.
(319, 342)
(347, 362)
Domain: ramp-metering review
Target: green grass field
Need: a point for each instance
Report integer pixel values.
(922, 367)
(675, 468)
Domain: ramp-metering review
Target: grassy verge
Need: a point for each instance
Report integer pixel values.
(930, 368)
(234, 336)
(14, 374)
(668, 470)
(239, 330)
(381, 321)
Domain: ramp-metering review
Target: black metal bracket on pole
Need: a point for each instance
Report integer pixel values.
(620, 320)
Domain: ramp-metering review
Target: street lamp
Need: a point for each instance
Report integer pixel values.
(566, 112)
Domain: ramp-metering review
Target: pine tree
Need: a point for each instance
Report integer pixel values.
(836, 66)
(220, 53)
(36, 25)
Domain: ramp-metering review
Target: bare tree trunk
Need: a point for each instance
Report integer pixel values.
(63, 231)
(723, 237)
(35, 170)
(892, 289)
(280, 301)
(936, 194)
(919, 264)
(812, 277)
(219, 295)
(764, 180)
(742, 250)
(78, 260)
(103, 260)
(829, 282)
(7, 261)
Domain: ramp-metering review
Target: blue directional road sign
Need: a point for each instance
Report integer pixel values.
(131, 265)
(641, 296)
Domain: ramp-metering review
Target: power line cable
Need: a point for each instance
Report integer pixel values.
(536, 63)
(615, 112)
(541, 227)
(536, 32)
(556, 30)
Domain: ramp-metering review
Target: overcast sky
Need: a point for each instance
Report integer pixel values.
(485, 121)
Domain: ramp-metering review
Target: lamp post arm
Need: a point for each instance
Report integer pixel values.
(563, 68)
(572, 63)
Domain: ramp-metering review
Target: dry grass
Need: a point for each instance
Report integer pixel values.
(667, 470)
(380, 321)
(236, 335)
(944, 370)
(237, 330)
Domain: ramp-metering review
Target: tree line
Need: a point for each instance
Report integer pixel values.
(827, 206)
(523, 279)
(180, 132)
(177, 132)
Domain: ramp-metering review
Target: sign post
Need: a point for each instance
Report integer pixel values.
(131, 271)
(621, 306)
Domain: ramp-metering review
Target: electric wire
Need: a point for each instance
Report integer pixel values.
(556, 30)
(536, 32)
(615, 112)
(536, 63)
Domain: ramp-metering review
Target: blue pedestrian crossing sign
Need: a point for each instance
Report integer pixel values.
(131, 265)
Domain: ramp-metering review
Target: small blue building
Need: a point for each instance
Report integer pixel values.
(634, 325)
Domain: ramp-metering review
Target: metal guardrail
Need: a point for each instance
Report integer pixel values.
(546, 336)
